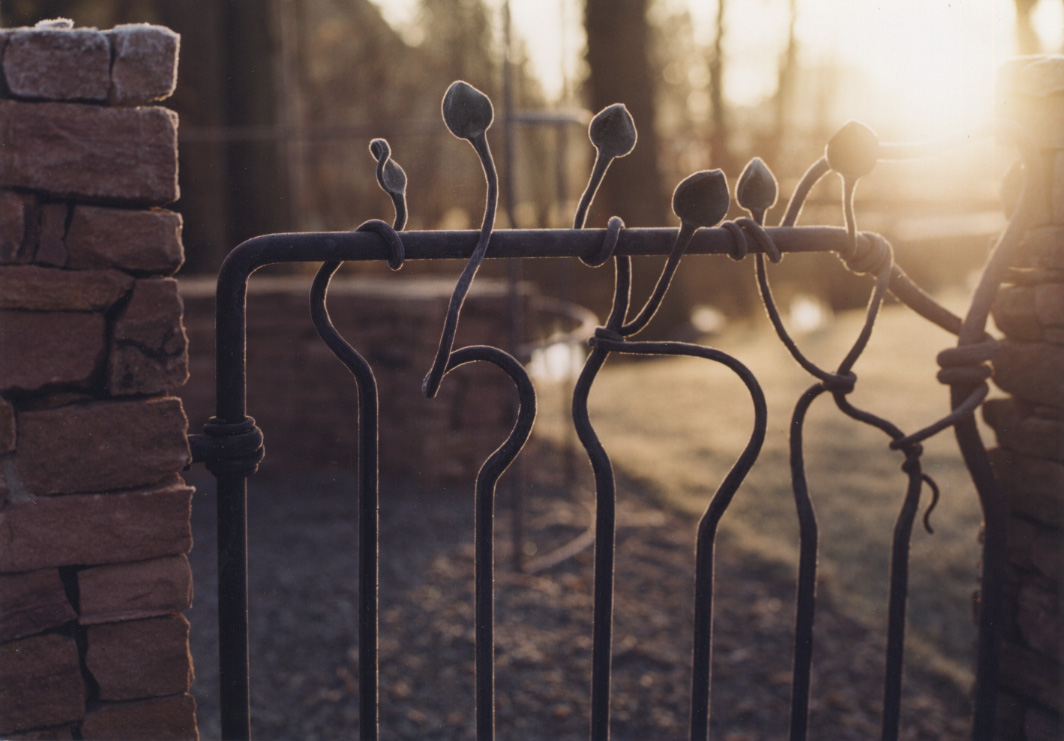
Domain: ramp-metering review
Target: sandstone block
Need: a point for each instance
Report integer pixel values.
(132, 240)
(76, 150)
(1038, 619)
(164, 719)
(7, 426)
(1015, 315)
(18, 224)
(57, 64)
(1033, 487)
(36, 288)
(1056, 189)
(1049, 304)
(1031, 371)
(1041, 725)
(1037, 76)
(31, 603)
(149, 350)
(51, 249)
(101, 446)
(90, 529)
(1043, 248)
(39, 349)
(140, 658)
(1030, 674)
(145, 63)
(55, 733)
(1019, 428)
(49, 690)
(131, 591)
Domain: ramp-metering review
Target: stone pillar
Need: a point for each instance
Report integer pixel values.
(94, 518)
(1029, 425)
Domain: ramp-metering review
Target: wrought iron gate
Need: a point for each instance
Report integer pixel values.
(231, 445)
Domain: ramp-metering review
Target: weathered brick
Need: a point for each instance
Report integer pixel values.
(1033, 487)
(101, 446)
(1049, 304)
(51, 249)
(18, 227)
(131, 591)
(1056, 189)
(90, 529)
(1038, 619)
(1031, 371)
(139, 241)
(7, 426)
(145, 63)
(1015, 315)
(149, 350)
(31, 603)
(55, 733)
(1019, 428)
(1043, 247)
(38, 349)
(1030, 674)
(57, 64)
(1037, 76)
(140, 658)
(76, 150)
(49, 690)
(163, 719)
(36, 288)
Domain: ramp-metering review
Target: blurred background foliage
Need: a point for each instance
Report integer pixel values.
(278, 100)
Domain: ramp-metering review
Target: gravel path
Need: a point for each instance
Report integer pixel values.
(304, 657)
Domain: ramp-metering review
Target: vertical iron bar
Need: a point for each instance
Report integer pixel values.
(484, 509)
(992, 581)
(231, 359)
(368, 509)
(234, 695)
(899, 590)
(805, 603)
(605, 505)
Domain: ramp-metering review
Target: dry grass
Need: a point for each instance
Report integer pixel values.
(675, 426)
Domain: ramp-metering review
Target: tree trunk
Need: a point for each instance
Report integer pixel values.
(618, 48)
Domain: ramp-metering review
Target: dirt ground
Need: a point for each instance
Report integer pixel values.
(304, 656)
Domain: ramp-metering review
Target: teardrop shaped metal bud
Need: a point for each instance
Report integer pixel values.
(853, 150)
(757, 189)
(380, 149)
(393, 178)
(612, 131)
(466, 111)
(702, 198)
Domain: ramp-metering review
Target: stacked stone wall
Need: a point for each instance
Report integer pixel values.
(94, 518)
(304, 400)
(1029, 424)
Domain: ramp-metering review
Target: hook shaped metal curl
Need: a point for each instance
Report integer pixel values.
(391, 178)
(468, 115)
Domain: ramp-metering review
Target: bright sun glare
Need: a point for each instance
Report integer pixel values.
(921, 66)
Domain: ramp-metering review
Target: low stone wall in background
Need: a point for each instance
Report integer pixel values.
(1029, 424)
(304, 399)
(94, 518)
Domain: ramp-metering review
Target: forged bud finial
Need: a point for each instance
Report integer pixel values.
(757, 189)
(466, 111)
(853, 150)
(612, 131)
(390, 175)
(701, 199)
